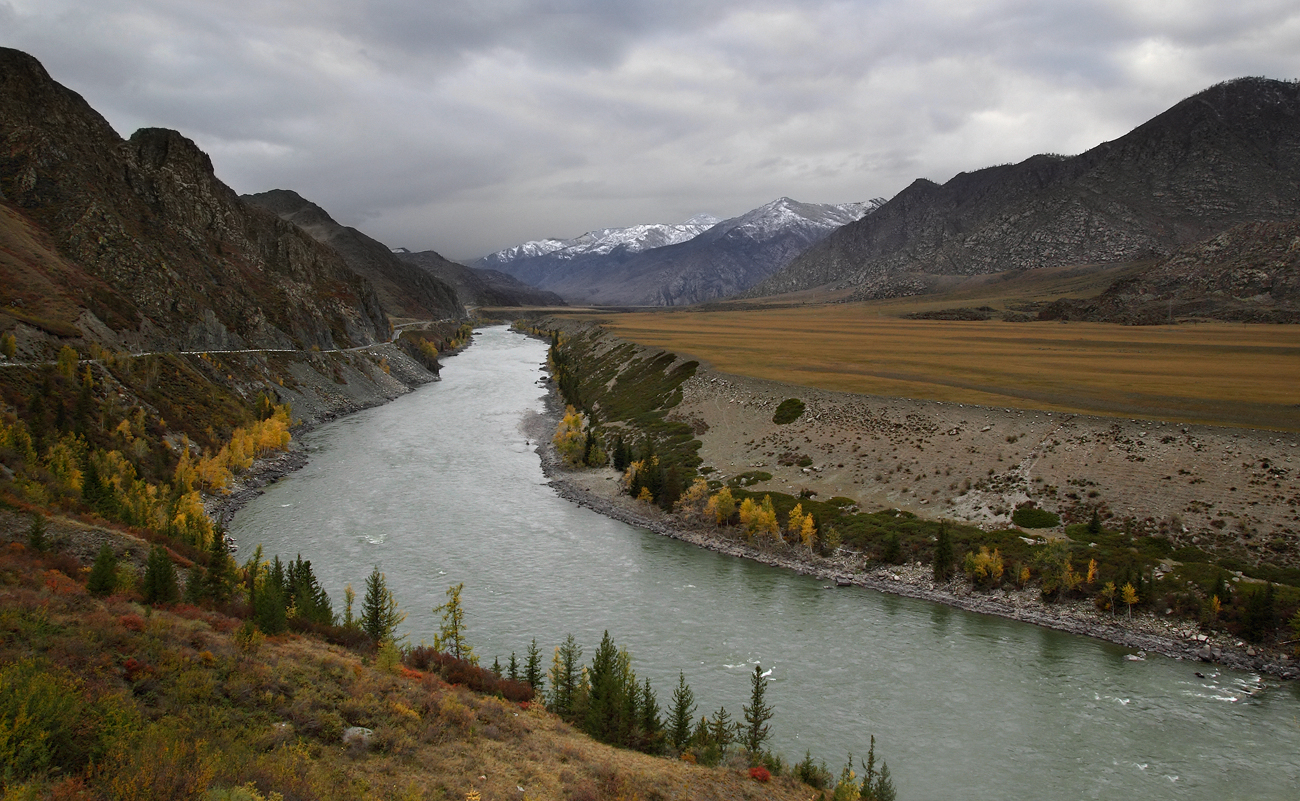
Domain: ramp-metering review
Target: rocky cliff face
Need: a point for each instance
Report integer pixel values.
(1228, 155)
(142, 243)
(1249, 273)
(403, 290)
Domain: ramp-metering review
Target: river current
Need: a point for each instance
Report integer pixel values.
(442, 486)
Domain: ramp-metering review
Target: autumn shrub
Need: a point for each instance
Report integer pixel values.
(984, 568)
(1027, 515)
(352, 638)
(40, 711)
(760, 774)
(788, 411)
(313, 715)
(466, 674)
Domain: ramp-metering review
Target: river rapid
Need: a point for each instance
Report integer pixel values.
(442, 486)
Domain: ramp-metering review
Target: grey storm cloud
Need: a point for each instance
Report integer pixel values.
(469, 126)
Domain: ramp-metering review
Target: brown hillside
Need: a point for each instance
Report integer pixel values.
(1228, 155)
(150, 242)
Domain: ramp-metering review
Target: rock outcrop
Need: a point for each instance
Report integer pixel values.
(1250, 273)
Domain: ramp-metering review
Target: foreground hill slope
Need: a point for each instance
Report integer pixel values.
(138, 243)
(403, 291)
(1225, 156)
(119, 699)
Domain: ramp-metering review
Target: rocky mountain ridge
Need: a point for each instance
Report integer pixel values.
(1225, 156)
(626, 266)
(137, 245)
(403, 290)
(600, 242)
(477, 286)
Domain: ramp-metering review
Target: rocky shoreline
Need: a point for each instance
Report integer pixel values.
(267, 470)
(248, 485)
(1145, 632)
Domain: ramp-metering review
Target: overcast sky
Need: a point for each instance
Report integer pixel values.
(469, 126)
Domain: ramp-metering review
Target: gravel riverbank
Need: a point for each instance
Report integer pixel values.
(1147, 633)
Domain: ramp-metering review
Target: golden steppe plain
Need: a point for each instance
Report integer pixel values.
(1213, 373)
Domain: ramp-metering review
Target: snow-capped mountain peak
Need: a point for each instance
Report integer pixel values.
(604, 241)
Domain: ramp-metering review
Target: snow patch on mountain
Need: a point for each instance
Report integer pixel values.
(604, 241)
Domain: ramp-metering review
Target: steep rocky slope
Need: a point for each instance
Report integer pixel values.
(1249, 273)
(1228, 155)
(403, 290)
(147, 247)
(481, 287)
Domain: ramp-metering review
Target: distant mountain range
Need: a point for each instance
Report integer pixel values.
(1224, 157)
(668, 265)
(477, 286)
(409, 285)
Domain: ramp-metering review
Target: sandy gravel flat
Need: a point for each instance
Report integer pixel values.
(1236, 489)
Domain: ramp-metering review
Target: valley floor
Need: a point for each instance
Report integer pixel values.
(1234, 490)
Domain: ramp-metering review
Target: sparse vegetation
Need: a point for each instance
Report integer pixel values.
(788, 411)
(1028, 515)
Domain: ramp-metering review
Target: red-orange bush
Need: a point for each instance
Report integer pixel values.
(458, 671)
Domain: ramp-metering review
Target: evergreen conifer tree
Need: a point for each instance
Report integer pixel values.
(757, 715)
(651, 724)
(943, 554)
(37, 534)
(512, 671)
(220, 575)
(159, 585)
(564, 677)
(305, 594)
(868, 790)
(103, 574)
(533, 668)
(1094, 524)
(196, 586)
(269, 612)
(379, 614)
(885, 790)
(604, 699)
(682, 714)
(1259, 618)
(722, 730)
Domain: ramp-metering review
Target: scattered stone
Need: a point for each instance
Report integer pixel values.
(358, 736)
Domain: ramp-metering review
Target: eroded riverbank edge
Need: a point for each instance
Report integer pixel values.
(598, 490)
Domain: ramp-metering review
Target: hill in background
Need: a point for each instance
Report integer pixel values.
(1227, 156)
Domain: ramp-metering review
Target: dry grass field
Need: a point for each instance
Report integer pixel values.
(1224, 374)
